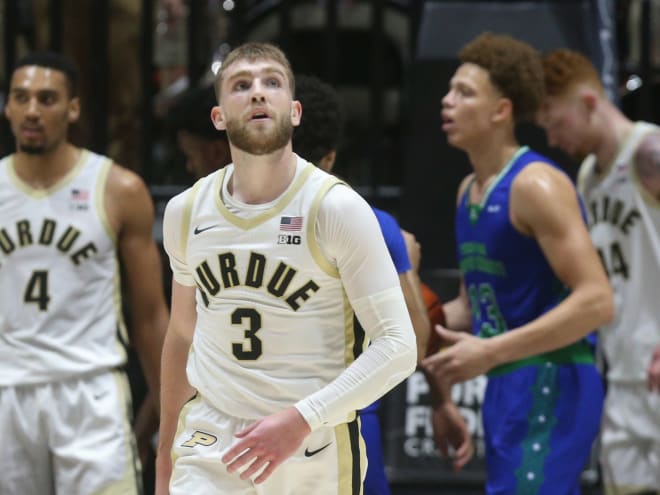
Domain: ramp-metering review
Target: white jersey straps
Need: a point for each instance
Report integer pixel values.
(60, 305)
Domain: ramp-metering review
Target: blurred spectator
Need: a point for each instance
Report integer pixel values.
(206, 149)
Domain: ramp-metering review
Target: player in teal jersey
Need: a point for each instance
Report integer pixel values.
(532, 284)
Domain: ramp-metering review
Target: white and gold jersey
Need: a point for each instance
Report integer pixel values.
(60, 311)
(624, 223)
(275, 318)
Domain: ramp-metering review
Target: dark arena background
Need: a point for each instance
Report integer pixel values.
(390, 62)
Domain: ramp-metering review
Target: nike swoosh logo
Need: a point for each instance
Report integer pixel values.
(199, 231)
(310, 453)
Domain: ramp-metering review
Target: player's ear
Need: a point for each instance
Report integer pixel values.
(218, 119)
(503, 110)
(296, 113)
(589, 100)
(74, 110)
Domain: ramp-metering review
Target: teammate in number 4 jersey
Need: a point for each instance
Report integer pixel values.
(67, 216)
(532, 284)
(271, 258)
(620, 182)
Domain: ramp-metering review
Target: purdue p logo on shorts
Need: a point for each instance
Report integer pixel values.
(200, 438)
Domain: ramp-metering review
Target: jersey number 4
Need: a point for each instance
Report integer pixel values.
(36, 290)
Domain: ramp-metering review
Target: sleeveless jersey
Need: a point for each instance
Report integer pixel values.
(60, 311)
(507, 277)
(541, 410)
(624, 223)
(268, 316)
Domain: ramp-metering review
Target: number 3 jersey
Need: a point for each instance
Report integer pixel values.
(59, 282)
(624, 223)
(271, 325)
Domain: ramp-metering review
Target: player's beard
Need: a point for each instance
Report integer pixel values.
(258, 141)
(32, 149)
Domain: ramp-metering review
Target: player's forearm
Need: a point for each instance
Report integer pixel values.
(439, 391)
(410, 284)
(457, 315)
(582, 312)
(389, 359)
(175, 390)
(148, 338)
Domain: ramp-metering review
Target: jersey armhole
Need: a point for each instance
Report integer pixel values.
(99, 198)
(314, 247)
(187, 214)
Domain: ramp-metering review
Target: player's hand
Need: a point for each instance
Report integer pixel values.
(450, 430)
(653, 378)
(163, 474)
(266, 443)
(466, 357)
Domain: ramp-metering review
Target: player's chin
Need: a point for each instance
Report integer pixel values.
(454, 139)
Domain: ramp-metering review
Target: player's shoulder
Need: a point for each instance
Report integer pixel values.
(123, 182)
(649, 144)
(341, 198)
(386, 220)
(541, 174)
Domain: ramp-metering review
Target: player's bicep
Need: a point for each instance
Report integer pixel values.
(647, 165)
(137, 249)
(350, 235)
(544, 205)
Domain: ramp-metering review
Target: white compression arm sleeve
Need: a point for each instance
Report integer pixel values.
(351, 238)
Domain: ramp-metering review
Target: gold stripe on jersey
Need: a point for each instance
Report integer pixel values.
(248, 223)
(130, 483)
(350, 337)
(351, 458)
(181, 422)
(42, 193)
(99, 205)
(100, 199)
(187, 214)
(314, 248)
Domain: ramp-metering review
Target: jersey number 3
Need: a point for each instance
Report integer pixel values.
(36, 290)
(251, 350)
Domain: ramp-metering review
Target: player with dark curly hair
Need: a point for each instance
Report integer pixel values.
(317, 137)
(318, 142)
(206, 148)
(532, 284)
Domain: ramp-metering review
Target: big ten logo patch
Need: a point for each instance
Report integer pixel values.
(418, 428)
(289, 239)
(200, 438)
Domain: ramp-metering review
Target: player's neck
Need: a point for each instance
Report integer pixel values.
(615, 129)
(261, 179)
(43, 170)
(489, 159)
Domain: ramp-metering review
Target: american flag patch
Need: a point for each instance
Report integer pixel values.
(79, 194)
(291, 224)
